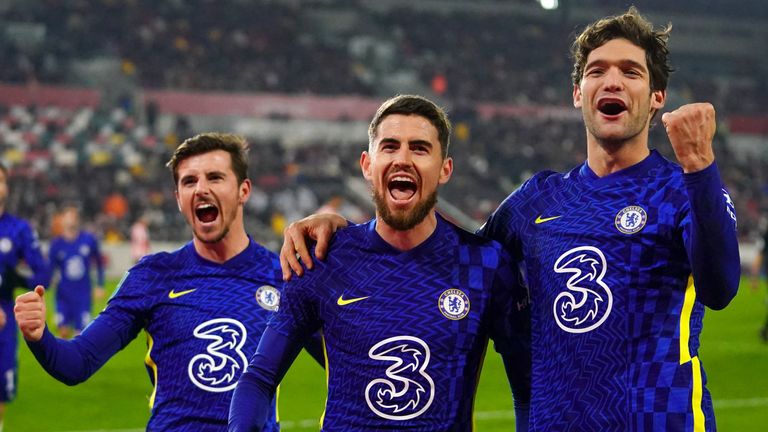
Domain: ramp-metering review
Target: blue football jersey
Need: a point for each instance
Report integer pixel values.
(203, 320)
(405, 331)
(74, 261)
(615, 314)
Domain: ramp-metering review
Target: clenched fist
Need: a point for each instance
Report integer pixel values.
(2, 319)
(690, 129)
(30, 314)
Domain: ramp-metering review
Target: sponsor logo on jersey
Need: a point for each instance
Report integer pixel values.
(341, 301)
(218, 368)
(268, 297)
(173, 294)
(453, 304)
(5, 245)
(405, 390)
(631, 220)
(541, 220)
(586, 300)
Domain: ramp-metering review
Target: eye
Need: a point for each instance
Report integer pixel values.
(594, 72)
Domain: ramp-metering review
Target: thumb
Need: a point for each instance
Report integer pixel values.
(39, 290)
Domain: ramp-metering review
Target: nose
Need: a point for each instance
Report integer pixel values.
(612, 79)
(202, 187)
(403, 157)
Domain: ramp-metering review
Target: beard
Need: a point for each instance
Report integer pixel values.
(213, 240)
(403, 220)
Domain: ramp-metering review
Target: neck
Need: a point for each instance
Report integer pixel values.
(606, 158)
(409, 239)
(223, 250)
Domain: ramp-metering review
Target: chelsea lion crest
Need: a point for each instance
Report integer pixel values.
(268, 297)
(631, 220)
(453, 304)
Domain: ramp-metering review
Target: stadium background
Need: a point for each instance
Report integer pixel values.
(94, 95)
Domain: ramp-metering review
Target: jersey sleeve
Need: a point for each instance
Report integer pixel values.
(252, 398)
(510, 330)
(709, 233)
(74, 361)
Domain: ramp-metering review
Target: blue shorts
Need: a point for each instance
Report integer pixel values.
(8, 359)
(73, 310)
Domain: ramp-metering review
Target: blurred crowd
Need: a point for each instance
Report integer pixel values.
(110, 159)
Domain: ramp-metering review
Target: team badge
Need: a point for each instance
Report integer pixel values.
(5, 245)
(631, 220)
(85, 250)
(268, 297)
(453, 304)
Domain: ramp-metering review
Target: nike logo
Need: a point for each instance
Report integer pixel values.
(540, 219)
(343, 302)
(173, 294)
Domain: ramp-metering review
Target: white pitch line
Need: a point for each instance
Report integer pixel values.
(480, 415)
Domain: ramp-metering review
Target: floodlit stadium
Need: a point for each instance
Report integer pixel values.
(96, 96)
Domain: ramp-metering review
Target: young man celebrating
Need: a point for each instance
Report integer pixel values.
(203, 306)
(621, 254)
(406, 302)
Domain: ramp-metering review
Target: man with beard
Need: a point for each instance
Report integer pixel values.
(621, 254)
(406, 302)
(203, 306)
(18, 242)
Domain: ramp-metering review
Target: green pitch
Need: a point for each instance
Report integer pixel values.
(115, 399)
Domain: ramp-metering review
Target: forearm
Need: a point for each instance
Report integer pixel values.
(712, 243)
(256, 388)
(74, 361)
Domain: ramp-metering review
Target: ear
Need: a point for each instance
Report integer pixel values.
(446, 170)
(244, 191)
(365, 165)
(576, 96)
(658, 98)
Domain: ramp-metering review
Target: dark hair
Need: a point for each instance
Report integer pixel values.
(419, 106)
(235, 145)
(636, 29)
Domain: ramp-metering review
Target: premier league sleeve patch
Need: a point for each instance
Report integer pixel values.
(268, 297)
(453, 304)
(631, 220)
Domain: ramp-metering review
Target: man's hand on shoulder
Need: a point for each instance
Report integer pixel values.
(318, 227)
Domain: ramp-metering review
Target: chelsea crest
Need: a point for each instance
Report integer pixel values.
(453, 304)
(631, 220)
(268, 297)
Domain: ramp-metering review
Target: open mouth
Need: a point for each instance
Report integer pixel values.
(611, 107)
(401, 188)
(206, 212)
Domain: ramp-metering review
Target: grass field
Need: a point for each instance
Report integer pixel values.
(115, 399)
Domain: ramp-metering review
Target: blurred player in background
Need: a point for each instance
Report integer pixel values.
(759, 268)
(406, 302)
(17, 242)
(74, 254)
(622, 254)
(140, 238)
(203, 306)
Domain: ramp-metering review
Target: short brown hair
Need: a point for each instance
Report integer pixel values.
(419, 106)
(636, 29)
(235, 145)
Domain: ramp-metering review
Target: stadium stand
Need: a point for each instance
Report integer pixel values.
(90, 114)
